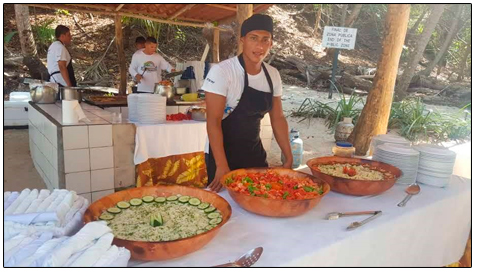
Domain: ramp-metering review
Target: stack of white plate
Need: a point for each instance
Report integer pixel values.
(403, 157)
(132, 107)
(151, 108)
(436, 165)
(388, 139)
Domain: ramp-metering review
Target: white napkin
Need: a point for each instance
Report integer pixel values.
(8, 254)
(6, 195)
(13, 196)
(47, 250)
(46, 203)
(94, 253)
(108, 257)
(43, 249)
(29, 249)
(36, 203)
(24, 194)
(31, 218)
(57, 201)
(26, 202)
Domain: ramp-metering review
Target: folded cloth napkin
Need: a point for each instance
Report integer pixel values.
(94, 253)
(6, 195)
(78, 254)
(36, 203)
(11, 198)
(122, 260)
(47, 250)
(26, 202)
(24, 194)
(31, 218)
(28, 250)
(8, 254)
(46, 203)
(57, 201)
(88, 233)
(108, 257)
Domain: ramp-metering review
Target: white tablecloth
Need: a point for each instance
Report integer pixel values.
(171, 138)
(432, 230)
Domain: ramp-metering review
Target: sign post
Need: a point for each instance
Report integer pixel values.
(339, 38)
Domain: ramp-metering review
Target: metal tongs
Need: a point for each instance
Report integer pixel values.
(354, 225)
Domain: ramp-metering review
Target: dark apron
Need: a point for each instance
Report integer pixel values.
(241, 129)
(71, 74)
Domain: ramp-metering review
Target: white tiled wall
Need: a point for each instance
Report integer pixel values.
(102, 179)
(87, 196)
(79, 182)
(76, 160)
(75, 137)
(102, 158)
(97, 195)
(100, 136)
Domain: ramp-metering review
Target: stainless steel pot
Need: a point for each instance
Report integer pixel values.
(164, 91)
(71, 93)
(43, 94)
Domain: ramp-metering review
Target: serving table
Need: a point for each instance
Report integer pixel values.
(432, 230)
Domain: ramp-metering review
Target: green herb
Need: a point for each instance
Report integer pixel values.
(228, 181)
(247, 179)
(281, 182)
(295, 187)
(320, 191)
(252, 189)
(308, 189)
(268, 186)
(285, 195)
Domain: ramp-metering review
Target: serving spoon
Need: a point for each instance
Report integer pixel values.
(411, 190)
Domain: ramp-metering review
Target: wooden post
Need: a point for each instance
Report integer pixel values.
(121, 56)
(244, 11)
(215, 50)
(375, 115)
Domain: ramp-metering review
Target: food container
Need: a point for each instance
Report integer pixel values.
(164, 91)
(274, 207)
(344, 149)
(71, 93)
(43, 94)
(354, 186)
(181, 90)
(198, 113)
(150, 251)
(190, 97)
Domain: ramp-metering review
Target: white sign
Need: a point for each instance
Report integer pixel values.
(339, 37)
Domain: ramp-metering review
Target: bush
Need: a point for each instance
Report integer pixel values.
(44, 35)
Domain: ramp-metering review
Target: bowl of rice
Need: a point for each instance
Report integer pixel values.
(354, 176)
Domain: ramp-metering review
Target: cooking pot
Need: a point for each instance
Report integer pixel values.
(71, 93)
(164, 91)
(42, 94)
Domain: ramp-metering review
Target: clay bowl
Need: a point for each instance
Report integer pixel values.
(352, 186)
(274, 207)
(151, 251)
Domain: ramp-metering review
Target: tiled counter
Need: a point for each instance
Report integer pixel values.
(92, 158)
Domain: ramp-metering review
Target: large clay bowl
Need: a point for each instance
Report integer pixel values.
(352, 186)
(274, 207)
(150, 251)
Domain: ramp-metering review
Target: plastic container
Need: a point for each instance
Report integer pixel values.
(344, 149)
(296, 147)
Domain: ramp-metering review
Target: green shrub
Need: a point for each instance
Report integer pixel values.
(44, 35)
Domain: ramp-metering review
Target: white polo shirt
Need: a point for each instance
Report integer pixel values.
(57, 52)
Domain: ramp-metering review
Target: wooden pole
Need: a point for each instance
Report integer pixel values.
(244, 11)
(121, 56)
(375, 115)
(215, 51)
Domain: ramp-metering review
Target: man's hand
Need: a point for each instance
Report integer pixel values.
(216, 186)
(288, 164)
(138, 78)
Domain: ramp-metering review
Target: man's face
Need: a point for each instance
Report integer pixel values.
(150, 48)
(140, 46)
(66, 38)
(256, 45)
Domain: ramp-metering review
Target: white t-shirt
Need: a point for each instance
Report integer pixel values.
(57, 52)
(227, 79)
(154, 64)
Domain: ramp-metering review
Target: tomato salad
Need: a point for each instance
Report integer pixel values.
(274, 186)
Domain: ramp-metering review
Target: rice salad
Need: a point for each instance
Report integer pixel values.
(350, 171)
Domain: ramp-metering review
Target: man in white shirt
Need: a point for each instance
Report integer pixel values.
(146, 66)
(59, 61)
(239, 92)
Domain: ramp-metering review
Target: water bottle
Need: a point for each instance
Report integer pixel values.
(296, 147)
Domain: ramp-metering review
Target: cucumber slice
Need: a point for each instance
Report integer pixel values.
(203, 205)
(215, 221)
(184, 199)
(210, 209)
(160, 199)
(172, 198)
(194, 201)
(123, 205)
(213, 215)
(148, 199)
(135, 201)
(106, 216)
(114, 210)
(209, 227)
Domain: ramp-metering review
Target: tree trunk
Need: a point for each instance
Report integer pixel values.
(317, 20)
(375, 115)
(121, 56)
(354, 15)
(445, 46)
(27, 41)
(244, 11)
(463, 62)
(410, 34)
(416, 55)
